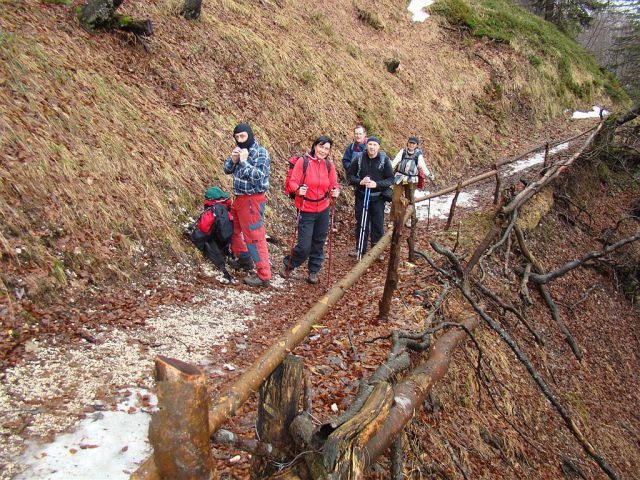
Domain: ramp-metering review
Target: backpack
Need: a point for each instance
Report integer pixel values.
(292, 163)
(216, 220)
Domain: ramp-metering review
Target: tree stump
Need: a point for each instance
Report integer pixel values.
(101, 15)
(179, 431)
(280, 395)
(191, 9)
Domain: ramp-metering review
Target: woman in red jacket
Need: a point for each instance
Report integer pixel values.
(315, 184)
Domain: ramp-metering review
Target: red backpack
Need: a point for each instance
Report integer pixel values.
(292, 163)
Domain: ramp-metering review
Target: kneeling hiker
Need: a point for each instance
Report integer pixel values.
(213, 230)
(371, 174)
(313, 181)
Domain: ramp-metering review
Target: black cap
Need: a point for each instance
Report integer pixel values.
(413, 140)
(373, 139)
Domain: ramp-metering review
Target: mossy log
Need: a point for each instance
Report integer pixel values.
(101, 15)
(179, 431)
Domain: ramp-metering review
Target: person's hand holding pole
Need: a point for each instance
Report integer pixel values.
(302, 191)
(335, 191)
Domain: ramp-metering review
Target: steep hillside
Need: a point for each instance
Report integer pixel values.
(106, 143)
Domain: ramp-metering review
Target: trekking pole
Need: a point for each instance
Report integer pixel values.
(333, 212)
(293, 241)
(363, 223)
(428, 213)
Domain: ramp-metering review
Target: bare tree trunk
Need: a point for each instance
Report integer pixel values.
(101, 15)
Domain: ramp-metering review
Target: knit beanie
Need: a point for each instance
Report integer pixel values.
(373, 139)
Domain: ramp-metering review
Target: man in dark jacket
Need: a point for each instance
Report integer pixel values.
(371, 169)
(358, 145)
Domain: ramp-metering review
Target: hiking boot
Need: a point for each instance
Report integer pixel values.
(244, 263)
(254, 280)
(313, 277)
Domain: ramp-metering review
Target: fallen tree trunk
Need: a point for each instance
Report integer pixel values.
(412, 391)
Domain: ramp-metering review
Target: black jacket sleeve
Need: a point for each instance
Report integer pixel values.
(353, 172)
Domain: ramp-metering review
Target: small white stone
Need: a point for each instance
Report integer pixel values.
(334, 408)
(235, 459)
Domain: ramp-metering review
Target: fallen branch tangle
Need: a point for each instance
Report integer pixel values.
(546, 278)
(460, 282)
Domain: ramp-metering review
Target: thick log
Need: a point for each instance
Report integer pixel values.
(179, 430)
(391, 283)
(410, 394)
(345, 454)
(277, 407)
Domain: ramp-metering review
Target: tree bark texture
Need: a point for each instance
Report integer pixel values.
(179, 431)
(280, 395)
(411, 392)
(391, 283)
(345, 452)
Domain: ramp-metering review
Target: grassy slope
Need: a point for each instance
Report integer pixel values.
(105, 147)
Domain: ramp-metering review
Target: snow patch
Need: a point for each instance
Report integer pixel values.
(106, 445)
(416, 7)
(532, 160)
(594, 113)
(440, 206)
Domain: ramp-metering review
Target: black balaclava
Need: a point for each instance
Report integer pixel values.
(244, 127)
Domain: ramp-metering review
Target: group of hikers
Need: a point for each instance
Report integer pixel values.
(233, 232)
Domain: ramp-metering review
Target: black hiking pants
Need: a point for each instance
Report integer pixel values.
(375, 220)
(212, 249)
(312, 233)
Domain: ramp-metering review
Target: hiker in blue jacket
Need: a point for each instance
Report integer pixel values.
(358, 145)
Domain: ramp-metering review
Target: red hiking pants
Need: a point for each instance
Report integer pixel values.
(249, 233)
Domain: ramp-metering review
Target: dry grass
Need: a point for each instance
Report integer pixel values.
(106, 148)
